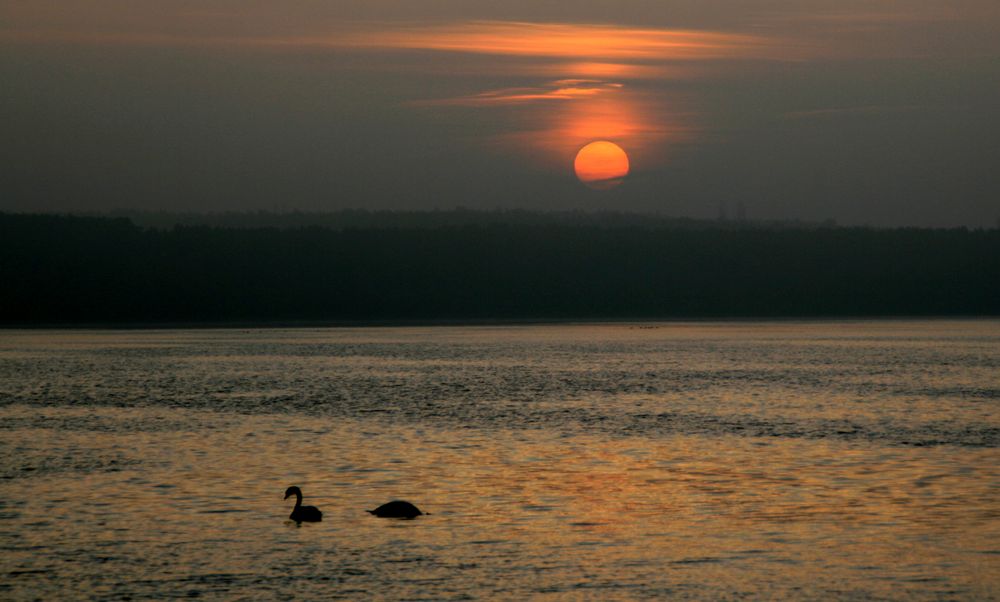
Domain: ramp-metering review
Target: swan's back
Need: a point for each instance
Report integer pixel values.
(397, 509)
(306, 514)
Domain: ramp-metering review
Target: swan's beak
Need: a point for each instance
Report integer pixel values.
(287, 495)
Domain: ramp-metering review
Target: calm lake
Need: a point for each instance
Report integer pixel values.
(807, 460)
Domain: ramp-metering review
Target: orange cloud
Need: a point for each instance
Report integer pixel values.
(563, 40)
(595, 48)
(565, 89)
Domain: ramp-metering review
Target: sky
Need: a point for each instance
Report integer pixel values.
(870, 112)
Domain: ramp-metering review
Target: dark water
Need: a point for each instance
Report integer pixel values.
(707, 461)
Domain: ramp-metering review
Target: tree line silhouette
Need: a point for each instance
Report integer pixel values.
(103, 270)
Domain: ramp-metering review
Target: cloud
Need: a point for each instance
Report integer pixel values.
(595, 42)
(559, 90)
(563, 40)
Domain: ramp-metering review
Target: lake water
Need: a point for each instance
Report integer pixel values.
(826, 460)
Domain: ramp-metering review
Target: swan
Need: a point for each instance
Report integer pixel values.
(396, 509)
(308, 514)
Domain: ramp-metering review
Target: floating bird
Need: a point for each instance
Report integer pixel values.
(300, 514)
(396, 509)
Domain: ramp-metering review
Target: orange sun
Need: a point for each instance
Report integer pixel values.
(601, 165)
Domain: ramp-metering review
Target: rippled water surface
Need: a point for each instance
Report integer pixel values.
(854, 460)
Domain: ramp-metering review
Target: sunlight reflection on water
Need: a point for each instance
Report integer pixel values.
(701, 461)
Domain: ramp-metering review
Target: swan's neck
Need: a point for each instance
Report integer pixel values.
(298, 500)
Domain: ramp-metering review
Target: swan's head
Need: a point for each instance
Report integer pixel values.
(293, 490)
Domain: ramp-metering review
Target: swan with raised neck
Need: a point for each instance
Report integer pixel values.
(302, 514)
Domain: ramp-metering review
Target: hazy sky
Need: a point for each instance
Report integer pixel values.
(879, 112)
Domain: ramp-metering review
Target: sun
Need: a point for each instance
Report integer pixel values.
(601, 165)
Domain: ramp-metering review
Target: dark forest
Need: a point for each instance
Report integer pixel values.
(73, 270)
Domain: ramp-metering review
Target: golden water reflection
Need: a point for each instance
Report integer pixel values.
(143, 501)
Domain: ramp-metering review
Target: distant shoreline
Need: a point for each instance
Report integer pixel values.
(101, 272)
(345, 324)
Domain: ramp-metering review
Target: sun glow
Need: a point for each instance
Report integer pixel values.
(601, 165)
(588, 93)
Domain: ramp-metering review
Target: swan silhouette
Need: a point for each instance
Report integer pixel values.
(300, 514)
(396, 509)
